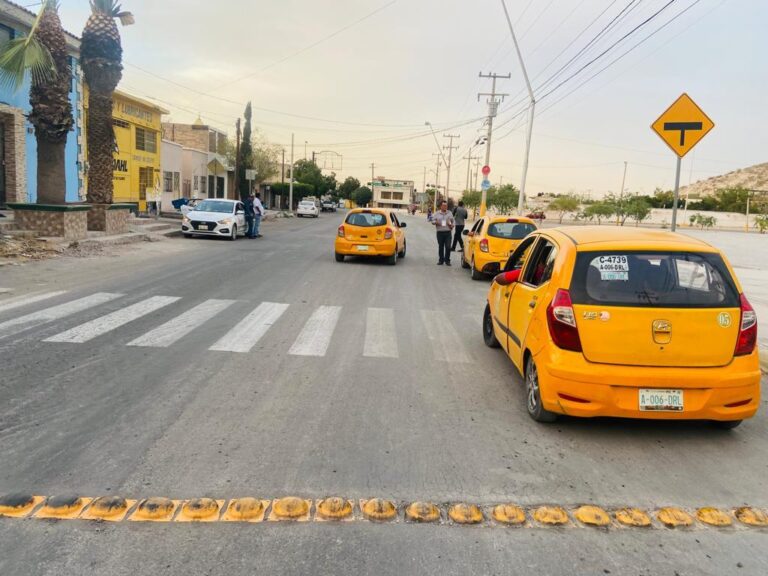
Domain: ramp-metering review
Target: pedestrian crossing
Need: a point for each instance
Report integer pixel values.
(310, 337)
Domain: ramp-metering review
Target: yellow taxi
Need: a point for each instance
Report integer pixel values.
(371, 232)
(491, 241)
(626, 323)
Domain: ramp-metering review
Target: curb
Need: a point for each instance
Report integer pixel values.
(120, 239)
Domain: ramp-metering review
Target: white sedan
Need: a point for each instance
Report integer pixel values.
(215, 217)
(308, 208)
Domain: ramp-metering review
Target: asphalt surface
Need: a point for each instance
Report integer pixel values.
(418, 409)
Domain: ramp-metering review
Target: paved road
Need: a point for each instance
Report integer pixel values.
(202, 368)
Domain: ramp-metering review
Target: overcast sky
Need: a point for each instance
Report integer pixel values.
(367, 74)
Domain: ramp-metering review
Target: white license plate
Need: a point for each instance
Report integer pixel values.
(362, 248)
(653, 400)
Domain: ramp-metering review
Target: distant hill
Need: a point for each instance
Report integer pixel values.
(755, 177)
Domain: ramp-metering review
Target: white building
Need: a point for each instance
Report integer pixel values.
(392, 193)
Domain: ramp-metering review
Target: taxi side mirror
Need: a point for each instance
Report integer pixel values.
(403, 224)
(507, 278)
(465, 233)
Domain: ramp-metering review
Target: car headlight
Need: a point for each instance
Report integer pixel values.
(185, 219)
(225, 222)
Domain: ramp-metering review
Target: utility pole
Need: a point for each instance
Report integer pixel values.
(305, 149)
(237, 160)
(621, 194)
(494, 100)
(437, 181)
(290, 187)
(450, 149)
(373, 167)
(424, 188)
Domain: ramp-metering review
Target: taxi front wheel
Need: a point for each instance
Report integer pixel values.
(533, 394)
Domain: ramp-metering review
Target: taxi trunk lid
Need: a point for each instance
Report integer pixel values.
(365, 227)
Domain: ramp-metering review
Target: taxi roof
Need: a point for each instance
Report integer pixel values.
(521, 219)
(592, 238)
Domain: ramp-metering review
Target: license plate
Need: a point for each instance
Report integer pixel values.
(362, 248)
(661, 400)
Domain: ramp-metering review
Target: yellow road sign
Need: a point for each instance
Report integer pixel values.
(683, 125)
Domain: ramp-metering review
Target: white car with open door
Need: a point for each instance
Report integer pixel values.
(215, 217)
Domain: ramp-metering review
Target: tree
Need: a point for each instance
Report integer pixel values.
(327, 185)
(347, 187)
(599, 211)
(663, 199)
(503, 199)
(307, 172)
(245, 159)
(761, 223)
(619, 206)
(264, 156)
(471, 199)
(43, 53)
(101, 56)
(638, 209)
(362, 196)
(564, 204)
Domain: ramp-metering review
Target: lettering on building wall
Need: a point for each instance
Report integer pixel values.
(135, 111)
(120, 165)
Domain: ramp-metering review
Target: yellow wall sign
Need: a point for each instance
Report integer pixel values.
(683, 125)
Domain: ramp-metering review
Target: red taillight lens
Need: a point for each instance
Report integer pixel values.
(484, 245)
(748, 329)
(562, 322)
(341, 231)
(388, 234)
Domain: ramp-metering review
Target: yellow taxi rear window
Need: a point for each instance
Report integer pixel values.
(366, 219)
(510, 230)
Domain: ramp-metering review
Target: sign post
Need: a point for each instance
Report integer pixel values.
(682, 126)
(484, 187)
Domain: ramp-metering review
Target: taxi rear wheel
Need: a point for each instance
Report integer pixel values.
(339, 257)
(533, 394)
(402, 254)
(476, 274)
(726, 424)
(489, 337)
(392, 260)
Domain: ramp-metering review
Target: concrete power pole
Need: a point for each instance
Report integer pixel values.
(437, 180)
(237, 162)
(494, 100)
(290, 186)
(373, 168)
(450, 149)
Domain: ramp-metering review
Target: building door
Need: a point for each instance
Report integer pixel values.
(220, 187)
(211, 187)
(2, 165)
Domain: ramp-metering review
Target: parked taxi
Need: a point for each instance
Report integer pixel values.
(491, 241)
(626, 323)
(371, 232)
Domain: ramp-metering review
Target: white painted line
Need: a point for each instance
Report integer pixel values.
(112, 321)
(380, 337)
(317, 332)
(29, 299)
(172, 331)
(22, 323)
(249, 331)
(445, 341)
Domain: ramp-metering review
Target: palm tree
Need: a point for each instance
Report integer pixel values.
(101, 57)
(43, 53)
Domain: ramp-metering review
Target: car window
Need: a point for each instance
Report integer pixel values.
(214, 206)
(477, 226)
(510, 230)
(366, 219)
(240, 206)
(519, 256)
(394, 220)
(539, 268)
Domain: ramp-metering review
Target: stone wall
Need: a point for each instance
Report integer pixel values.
(109, 218)
(70, 225)
(15, 153)
(187, 135)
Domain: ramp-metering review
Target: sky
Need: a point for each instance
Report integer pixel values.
(361, 77)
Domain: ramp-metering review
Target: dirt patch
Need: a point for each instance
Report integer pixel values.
(17, 250)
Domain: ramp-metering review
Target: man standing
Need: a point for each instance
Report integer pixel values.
(249, 215)
(258, 212)
(460, 215)
(444, 222)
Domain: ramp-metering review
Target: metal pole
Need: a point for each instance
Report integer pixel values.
(746, 226)
(450, 163)
(492, 104)
(290, 186)
(373, 167)
(621, 192)
(469, 165)
(677, 194)
(437, 183)
(237, 163)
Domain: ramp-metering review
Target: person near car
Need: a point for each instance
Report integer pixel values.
(258, 213)
(460, 215)
(444, 223)
(249, 215)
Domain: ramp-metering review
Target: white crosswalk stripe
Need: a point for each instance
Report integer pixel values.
(110, 322)
(172, 331)
(16, 325)
(249, 331)
(380, 335)
(30, 299)
(316, 335)
(445, 341)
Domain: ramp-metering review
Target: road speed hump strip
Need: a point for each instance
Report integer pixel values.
(155, 510)
(378, 509)
(752, 516)
(290, 508)
(550, 516)
(108, 509)
(62, 507)
(334, 509)
(592, 516)
(19, 505)
(674, 517)
(245, 510)
(200, 510)
(465, 514)
(633, 517)
(422, 512)
(509, 514)
(713, 517)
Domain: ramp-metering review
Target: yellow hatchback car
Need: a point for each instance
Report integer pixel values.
(371, 232)
(491, 241)
(626, 323)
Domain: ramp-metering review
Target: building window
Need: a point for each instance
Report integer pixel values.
(120, 123)
(386, 195)
(187, 188)
(6, 35)
(176, 181)
(397, 195)
(167, 181)
(146, 140)
(196, 183)
(146, 176)
(203, 185)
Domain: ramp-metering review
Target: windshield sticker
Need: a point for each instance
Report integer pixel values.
(613, 268)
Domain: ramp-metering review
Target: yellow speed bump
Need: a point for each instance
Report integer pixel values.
(592, 516)
(509, 514)
(19, 505)
(752, 516)
(334, 508)
(422, 512)
(378, 509)
(108, 509)
(633, 517)
(155, 510)
(62, 507)
(713, 517)
(551, 515)
(290, 508)
(200, 510)
(245, 510)
(465, 514)
(674, 517)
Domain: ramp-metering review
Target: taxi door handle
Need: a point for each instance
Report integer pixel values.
(532, 304)
(506, 294)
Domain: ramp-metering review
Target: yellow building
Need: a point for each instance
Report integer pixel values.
(137, 125)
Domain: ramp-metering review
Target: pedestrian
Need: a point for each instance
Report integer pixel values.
(249, 213)
(444, 224)
(460, 214)
(258, 213)
(429, 214)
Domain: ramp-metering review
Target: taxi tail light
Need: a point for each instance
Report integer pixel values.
(388, 234)
(484, 245)
(562, 322)
(748, 329)
(341, 231)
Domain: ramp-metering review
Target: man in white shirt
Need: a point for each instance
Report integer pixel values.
(258, 212)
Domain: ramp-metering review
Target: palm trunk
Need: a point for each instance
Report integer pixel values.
(51, 172)
(100, 138)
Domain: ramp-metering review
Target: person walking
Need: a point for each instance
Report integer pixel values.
(460, 214)
(249, 215)
(258, 213)
(444, 223)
